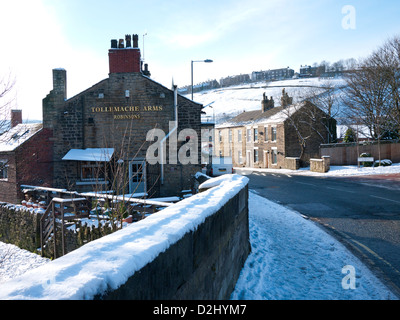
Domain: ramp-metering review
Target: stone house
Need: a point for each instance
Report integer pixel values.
(286, 136)
(103, 134)
(25, 158)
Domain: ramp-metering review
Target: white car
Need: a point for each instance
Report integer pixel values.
(219, 166)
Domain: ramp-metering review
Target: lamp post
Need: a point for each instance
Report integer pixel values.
(206, 61)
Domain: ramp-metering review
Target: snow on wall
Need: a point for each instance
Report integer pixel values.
(108, 262)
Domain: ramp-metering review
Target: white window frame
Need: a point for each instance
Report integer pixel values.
(248, 135)
(273, 130)
(93, 165)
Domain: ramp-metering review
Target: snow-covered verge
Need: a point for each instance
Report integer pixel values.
(294, 259)
(335, 171)
(109, 261)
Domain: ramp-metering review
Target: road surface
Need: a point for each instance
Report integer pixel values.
(362, 212)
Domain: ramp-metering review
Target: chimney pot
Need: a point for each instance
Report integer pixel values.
(135, 38)
(128, 40)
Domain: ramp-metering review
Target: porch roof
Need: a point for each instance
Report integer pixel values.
(90, 154)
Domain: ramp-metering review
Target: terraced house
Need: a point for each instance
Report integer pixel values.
(285, 136)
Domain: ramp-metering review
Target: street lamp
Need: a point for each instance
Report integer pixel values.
(206, 61)
(143, 44)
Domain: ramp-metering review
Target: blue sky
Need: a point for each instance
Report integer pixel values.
(240, 36)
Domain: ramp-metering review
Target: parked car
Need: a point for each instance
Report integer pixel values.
(219, 166)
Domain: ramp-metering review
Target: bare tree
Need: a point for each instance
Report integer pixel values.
(387, 62)
(6, 99)
(325, 97)
(114, 181)
(367, 96)
(310, 126)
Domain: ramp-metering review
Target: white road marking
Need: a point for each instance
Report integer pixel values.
(385, 199)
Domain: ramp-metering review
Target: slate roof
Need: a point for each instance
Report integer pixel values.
(13, 138)
(274, 115)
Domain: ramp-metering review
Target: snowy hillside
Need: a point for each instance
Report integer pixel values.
(230, 101)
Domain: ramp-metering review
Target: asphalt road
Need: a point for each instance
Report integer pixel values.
(362, 212)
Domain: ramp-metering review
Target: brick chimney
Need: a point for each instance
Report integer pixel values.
(16, 117)
(125, 59)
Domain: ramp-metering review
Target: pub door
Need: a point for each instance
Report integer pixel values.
(137, 176)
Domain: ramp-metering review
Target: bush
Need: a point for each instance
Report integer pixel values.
(366, 155)
(383, 163)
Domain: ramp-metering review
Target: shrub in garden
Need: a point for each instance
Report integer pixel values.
(383, 163)
(366, 155)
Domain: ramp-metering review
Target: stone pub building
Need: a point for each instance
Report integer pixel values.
(100, 137)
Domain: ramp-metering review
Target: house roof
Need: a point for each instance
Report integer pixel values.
(16, 136)
(274, 116)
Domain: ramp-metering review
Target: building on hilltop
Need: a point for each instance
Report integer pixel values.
(268, 137)
(274, 74)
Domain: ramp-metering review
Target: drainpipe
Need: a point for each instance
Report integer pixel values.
(169, 133)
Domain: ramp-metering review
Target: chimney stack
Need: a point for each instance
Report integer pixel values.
(125, 59)
(16, 117)
(60, 82)
(267, 104)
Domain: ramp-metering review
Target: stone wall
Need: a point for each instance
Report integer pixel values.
(204, 264)
(292, 163)
(194, 249)
(320, 165)
(21, 226)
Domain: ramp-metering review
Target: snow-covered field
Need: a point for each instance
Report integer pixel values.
(292, 258)
(236, 99)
